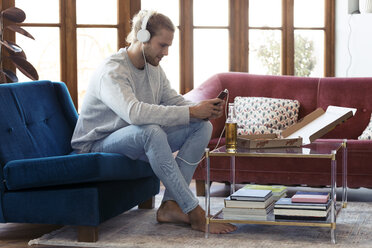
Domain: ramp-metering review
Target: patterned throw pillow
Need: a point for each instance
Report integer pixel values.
(367, 133)
(262, 115)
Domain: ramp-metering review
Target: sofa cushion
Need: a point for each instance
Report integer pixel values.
(32, 128)
(262, 115)
(367, 133)
(75, 168)
(82, 205)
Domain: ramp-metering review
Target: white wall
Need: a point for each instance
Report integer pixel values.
(359, 43)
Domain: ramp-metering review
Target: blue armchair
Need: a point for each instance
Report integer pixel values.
(43, 181)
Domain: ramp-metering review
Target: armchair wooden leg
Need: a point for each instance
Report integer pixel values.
(87, 233)
(200, 187)
(149, 204)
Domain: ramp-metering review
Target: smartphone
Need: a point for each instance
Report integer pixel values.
(222, 95)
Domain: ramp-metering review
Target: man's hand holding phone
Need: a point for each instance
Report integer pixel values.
(209, 109)
(222, 95)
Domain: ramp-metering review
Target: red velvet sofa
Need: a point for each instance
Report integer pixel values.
(311, 93)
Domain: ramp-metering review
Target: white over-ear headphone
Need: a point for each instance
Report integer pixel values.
(144, 35)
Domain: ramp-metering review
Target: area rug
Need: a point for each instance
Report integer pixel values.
(138, 228)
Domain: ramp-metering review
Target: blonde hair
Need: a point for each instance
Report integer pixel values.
(156, 22)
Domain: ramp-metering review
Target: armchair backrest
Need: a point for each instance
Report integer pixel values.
(37, 119)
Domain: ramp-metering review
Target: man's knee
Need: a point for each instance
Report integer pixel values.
(152, 130)
(206, 127)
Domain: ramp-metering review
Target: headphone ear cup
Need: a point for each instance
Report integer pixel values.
(143, 35)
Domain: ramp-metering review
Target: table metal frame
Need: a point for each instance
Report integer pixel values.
(283, 153)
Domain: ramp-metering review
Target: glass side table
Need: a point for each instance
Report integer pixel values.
(323, 150)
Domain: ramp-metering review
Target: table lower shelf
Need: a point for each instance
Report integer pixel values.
(270, 220)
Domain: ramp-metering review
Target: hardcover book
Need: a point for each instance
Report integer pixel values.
(313, 197)
(248, 217)
(286, 217)
(248, 204)
(301, 212)
(251, 194)
(248, 211)
(278, 191)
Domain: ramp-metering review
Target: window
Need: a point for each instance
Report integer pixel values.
(279, 37)
(96, 36)
(275, 37)
(202, 45)
(43, 52)
(291, 37)
(265, 36)
(70, 41)
(309, 38)
(211, 38)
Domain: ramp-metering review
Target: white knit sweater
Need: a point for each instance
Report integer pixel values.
(119, 95)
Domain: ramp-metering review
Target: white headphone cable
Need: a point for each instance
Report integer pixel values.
(144, 58)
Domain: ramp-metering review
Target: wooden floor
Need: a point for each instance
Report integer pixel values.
(14, 235)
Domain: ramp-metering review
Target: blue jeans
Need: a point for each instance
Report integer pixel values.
(156, 144)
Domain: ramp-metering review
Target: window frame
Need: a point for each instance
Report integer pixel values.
(288, 37)
(238, 38)
(68, 29)
(68, 40)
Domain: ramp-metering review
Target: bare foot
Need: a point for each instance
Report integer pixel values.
(170, 212)
(197, 221)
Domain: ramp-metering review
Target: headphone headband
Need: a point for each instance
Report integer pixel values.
(145, 20)
(144, 35)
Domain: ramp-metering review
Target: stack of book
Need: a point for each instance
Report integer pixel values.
(303, 206)
(249, 204)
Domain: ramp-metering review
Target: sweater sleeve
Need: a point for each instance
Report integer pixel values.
(118, 94)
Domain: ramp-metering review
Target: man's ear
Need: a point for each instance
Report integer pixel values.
(147, 42)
